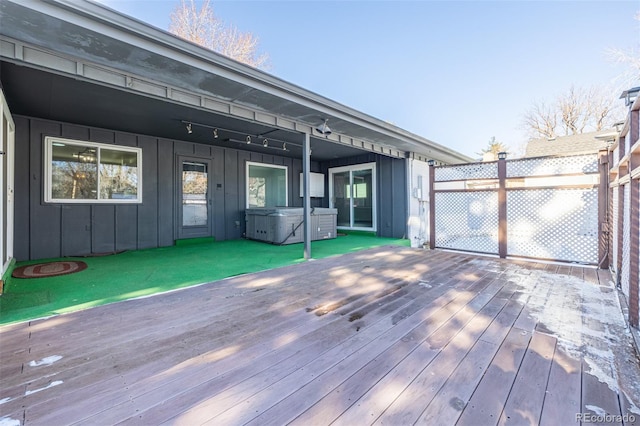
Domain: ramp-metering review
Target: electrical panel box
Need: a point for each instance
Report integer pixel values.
(316, 185)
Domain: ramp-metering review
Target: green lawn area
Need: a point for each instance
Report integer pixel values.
(139, 273)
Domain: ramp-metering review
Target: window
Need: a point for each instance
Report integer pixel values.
(87, 172)
(266, 185)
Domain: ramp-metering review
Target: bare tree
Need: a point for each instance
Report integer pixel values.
(630, 57)
(541, 120)
(202, 26)
(576, 111)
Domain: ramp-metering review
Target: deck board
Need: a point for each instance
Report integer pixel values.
(562, 399)
(385, 336)
(487, 402)
(598, 400)
(524, 405)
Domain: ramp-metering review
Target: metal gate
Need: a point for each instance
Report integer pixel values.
(544, 208)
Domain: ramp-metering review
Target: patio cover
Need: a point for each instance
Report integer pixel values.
(82, 62)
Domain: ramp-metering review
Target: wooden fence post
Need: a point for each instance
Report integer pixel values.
(634, 219)
(603, 207)
(432, 206)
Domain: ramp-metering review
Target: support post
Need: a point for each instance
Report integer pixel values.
(502, 207)
(306, 199)
(634, 224)
(603, 209)
(620, 220)
(432, 206)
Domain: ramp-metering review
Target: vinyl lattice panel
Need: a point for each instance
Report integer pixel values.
(626, 241)
(467, 221)
(587, 163)
(559, 224)
(467, 171)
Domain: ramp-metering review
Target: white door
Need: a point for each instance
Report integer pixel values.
(7, 142)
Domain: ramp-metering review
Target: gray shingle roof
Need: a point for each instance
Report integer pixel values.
(567, 145)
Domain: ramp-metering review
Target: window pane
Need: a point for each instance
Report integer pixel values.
(267, 186)
(194, 194)
(118, 174)
(74, 172)
(362, 198)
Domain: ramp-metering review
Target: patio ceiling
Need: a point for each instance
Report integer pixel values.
(154, 80)
(32, 92)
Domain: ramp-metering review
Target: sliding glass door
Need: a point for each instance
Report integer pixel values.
(352, 193)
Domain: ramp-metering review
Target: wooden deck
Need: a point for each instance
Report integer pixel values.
(389, 336)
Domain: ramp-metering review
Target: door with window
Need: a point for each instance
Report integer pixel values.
(352, 193)
(194, 197)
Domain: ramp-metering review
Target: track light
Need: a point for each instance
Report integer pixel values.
(324, 129)
(248, 138)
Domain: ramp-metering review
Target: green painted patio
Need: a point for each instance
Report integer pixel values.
(142, 273)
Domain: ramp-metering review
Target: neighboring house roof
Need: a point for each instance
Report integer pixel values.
(567, 145)
(91, 43)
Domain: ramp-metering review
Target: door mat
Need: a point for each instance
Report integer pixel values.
(52, 269)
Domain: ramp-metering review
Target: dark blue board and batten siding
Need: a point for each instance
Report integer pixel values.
(47, 230)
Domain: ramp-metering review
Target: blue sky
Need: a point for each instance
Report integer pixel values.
(454, 72)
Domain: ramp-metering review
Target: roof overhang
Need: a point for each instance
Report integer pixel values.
(87, 42)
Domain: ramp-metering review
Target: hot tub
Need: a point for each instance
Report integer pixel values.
(283, 225)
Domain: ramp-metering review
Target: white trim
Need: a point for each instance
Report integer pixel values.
(48, 156)
(7, 188)
(374, 194)
(274, 166)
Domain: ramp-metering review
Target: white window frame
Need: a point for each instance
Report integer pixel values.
(7, 188)
(374, 195)
(274, 166)
(48, 170)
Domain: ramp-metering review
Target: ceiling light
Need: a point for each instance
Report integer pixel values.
(265, 143)
(189, 130)
(324, 129)
(248, 139)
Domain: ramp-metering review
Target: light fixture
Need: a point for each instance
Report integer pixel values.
(502, 155)
(323, 128)
(431, 162)
(268, 143)
(630, 95)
